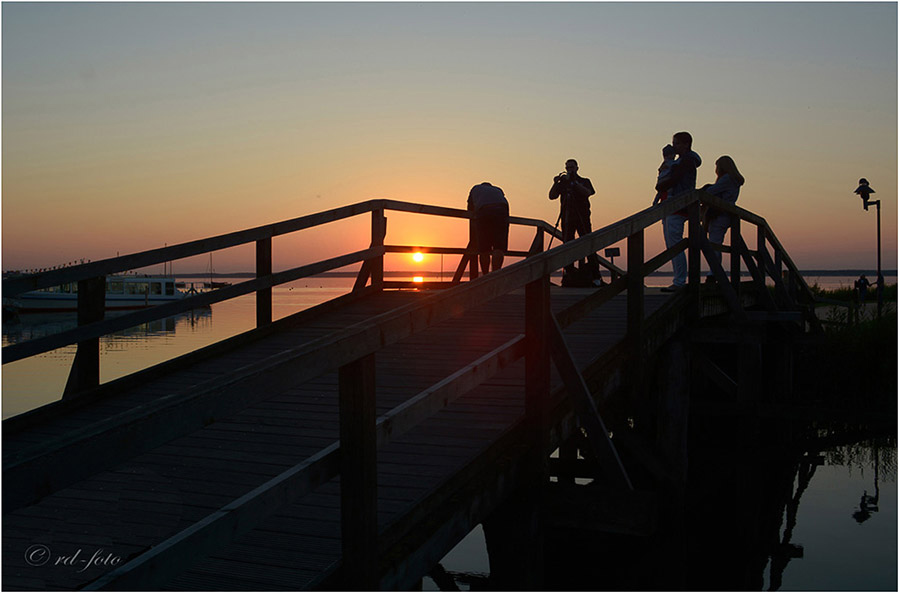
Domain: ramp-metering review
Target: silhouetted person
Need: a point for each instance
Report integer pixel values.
(574, 193)
(683, 178)
(727, 187)
(664, 171)
(864, 190)
(862, 287)
(491, 216)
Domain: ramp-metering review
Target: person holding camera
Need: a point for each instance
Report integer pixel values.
(574, 192)
(490, 211)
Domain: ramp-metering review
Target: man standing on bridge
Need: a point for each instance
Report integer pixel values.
(574, 192)
(491, 217)
(682, 178)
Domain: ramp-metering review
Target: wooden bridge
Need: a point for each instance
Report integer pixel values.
(353, 444)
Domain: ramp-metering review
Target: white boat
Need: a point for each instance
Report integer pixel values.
(122, 292)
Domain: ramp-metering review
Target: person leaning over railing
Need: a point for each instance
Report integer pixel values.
(727, 187)
(491, 216)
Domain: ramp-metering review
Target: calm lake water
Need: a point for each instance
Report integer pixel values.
(843, 548)
(839, 551)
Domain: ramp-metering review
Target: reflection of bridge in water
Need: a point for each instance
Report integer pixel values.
(353, 444)
(39, 325)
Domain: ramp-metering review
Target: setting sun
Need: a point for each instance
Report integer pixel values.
(418, 257)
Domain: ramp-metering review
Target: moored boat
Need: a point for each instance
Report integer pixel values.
(123, 292)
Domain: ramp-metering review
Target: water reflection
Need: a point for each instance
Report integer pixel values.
(785, 517)
(38, 325)
(41, 379)
(830, 523)
(38, 380)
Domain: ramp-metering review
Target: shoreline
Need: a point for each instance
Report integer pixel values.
(353, 274)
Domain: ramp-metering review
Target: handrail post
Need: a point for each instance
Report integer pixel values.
(85, 371)
(263, 268)
(537, 405)
(537, 245)
(359, 503)
(694, 254)
(761, 249)
(473, 257)
(634, 334)
(379, 232)
(735, 256)
(537, 356)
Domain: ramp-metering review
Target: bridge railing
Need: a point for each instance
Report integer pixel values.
(351, 351)
(90, 278)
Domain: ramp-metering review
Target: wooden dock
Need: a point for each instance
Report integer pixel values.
(354, 444)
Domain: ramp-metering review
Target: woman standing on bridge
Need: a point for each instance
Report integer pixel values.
(727, 187)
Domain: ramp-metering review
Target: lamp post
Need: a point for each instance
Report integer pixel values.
(864, 192)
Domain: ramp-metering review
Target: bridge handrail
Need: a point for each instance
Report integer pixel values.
(19, 284)
(22, 350)
(553, 259)
(761, 222)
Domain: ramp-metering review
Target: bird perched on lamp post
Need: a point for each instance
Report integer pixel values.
(864, 190)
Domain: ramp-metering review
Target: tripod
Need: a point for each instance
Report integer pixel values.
(593, 261)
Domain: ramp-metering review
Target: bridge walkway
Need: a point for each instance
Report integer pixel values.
(138, 503)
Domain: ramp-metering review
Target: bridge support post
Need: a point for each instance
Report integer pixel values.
(85, 371)
(779, 363)
(749, 379)
(514, 537)
(674, 407)
(514, 533)
(635, 313)
(735, 256)
(568, 456)
(695, 241)
(264, 268)
(537, 366)
(359, 517)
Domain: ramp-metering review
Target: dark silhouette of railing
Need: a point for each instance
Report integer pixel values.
(351, 351)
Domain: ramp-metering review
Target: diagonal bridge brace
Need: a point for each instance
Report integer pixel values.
(586, 409)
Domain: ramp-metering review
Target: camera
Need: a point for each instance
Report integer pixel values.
(561, 178)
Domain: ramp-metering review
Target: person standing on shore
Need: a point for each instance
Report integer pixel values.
(574, 193)
(682, 178)
(862, 287)
(490, 211)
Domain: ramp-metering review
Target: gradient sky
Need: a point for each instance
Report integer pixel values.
(129, 126)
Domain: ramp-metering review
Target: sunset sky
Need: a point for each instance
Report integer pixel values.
(129, 126)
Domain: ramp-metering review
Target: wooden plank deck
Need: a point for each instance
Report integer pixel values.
(137, 503)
